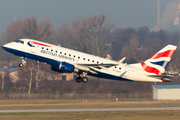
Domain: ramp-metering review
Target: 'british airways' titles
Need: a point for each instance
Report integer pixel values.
(57, 55)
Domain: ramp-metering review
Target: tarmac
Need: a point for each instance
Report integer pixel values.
(22, 110)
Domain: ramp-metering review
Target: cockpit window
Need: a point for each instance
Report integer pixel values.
(19, 41)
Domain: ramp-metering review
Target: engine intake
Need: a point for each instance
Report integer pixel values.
(64, 68)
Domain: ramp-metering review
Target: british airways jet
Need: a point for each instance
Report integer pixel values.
(65, 60)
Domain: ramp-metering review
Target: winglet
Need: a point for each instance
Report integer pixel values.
(119, 62)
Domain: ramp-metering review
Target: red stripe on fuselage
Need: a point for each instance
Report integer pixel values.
(168, 53)
(39, 44)
(150, 69)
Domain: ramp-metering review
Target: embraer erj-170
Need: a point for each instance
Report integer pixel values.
(66, 60)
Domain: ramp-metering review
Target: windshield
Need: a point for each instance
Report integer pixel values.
(19, 41)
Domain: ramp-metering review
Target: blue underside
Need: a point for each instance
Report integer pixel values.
(56, 63)
(33, 57)
(109, 76)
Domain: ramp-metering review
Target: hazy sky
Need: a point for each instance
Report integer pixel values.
(125, 13)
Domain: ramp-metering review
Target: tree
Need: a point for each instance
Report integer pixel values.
(2, 79)
(13, 31)
(87, 34)
(45, 31)
(143, 33)
(125, 43)
(29, 28)
(26, 76)
(29, 81)
(39, 76)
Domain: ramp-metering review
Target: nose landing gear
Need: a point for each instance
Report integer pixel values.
(23, 61)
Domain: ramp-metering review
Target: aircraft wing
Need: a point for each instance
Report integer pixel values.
(92, 68)
(104, 65)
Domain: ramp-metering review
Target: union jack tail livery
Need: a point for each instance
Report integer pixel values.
(157, 64)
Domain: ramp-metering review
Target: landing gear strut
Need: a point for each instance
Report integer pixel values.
(83, 79)
(23, 61)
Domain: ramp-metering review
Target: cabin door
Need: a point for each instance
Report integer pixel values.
(34, 49)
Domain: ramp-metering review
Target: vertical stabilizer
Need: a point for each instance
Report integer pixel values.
(158, 62)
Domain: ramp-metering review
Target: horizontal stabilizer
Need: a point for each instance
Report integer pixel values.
(161, 76)
(164, 78)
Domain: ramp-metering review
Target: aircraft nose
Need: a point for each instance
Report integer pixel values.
(6, 46)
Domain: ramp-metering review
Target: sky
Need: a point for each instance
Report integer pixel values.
(125, 13)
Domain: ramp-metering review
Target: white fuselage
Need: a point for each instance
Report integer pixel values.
(53, 54)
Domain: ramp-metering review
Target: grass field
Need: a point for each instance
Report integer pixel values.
(118, 115)
(115, 115)
(80, 103)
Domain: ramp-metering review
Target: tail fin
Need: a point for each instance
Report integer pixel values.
(158, 62)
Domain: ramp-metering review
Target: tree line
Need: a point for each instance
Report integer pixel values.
(94, 35)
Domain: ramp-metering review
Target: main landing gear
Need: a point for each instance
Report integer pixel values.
(83, 79)
(23, 61)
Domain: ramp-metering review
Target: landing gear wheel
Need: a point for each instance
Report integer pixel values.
(78, 79)
(21, 65)
(23, 61)
(84, 79)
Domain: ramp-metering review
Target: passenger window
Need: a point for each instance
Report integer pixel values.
(51, 50)
(83, 58)
(64, 53)
(47, 49)
(120, 68)
(56, 51)
(78, 57)
(88, 59)
(60, 52)
(97, 62)
(42, 47)
(74, 56)
(115, 66)
(92, 60)
(69, 54)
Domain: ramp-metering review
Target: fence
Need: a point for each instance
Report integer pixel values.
(120, 96)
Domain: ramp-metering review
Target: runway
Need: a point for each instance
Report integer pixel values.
(87, 109)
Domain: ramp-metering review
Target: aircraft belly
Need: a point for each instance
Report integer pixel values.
(108, 76)
(140, 76)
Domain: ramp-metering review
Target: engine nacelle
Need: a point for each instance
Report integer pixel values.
(64, 68)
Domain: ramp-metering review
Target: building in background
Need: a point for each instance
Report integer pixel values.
(12, 72)
(166, 92)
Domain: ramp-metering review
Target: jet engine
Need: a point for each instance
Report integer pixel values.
(64, 68)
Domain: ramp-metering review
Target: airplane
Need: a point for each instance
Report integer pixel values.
(65, 60)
